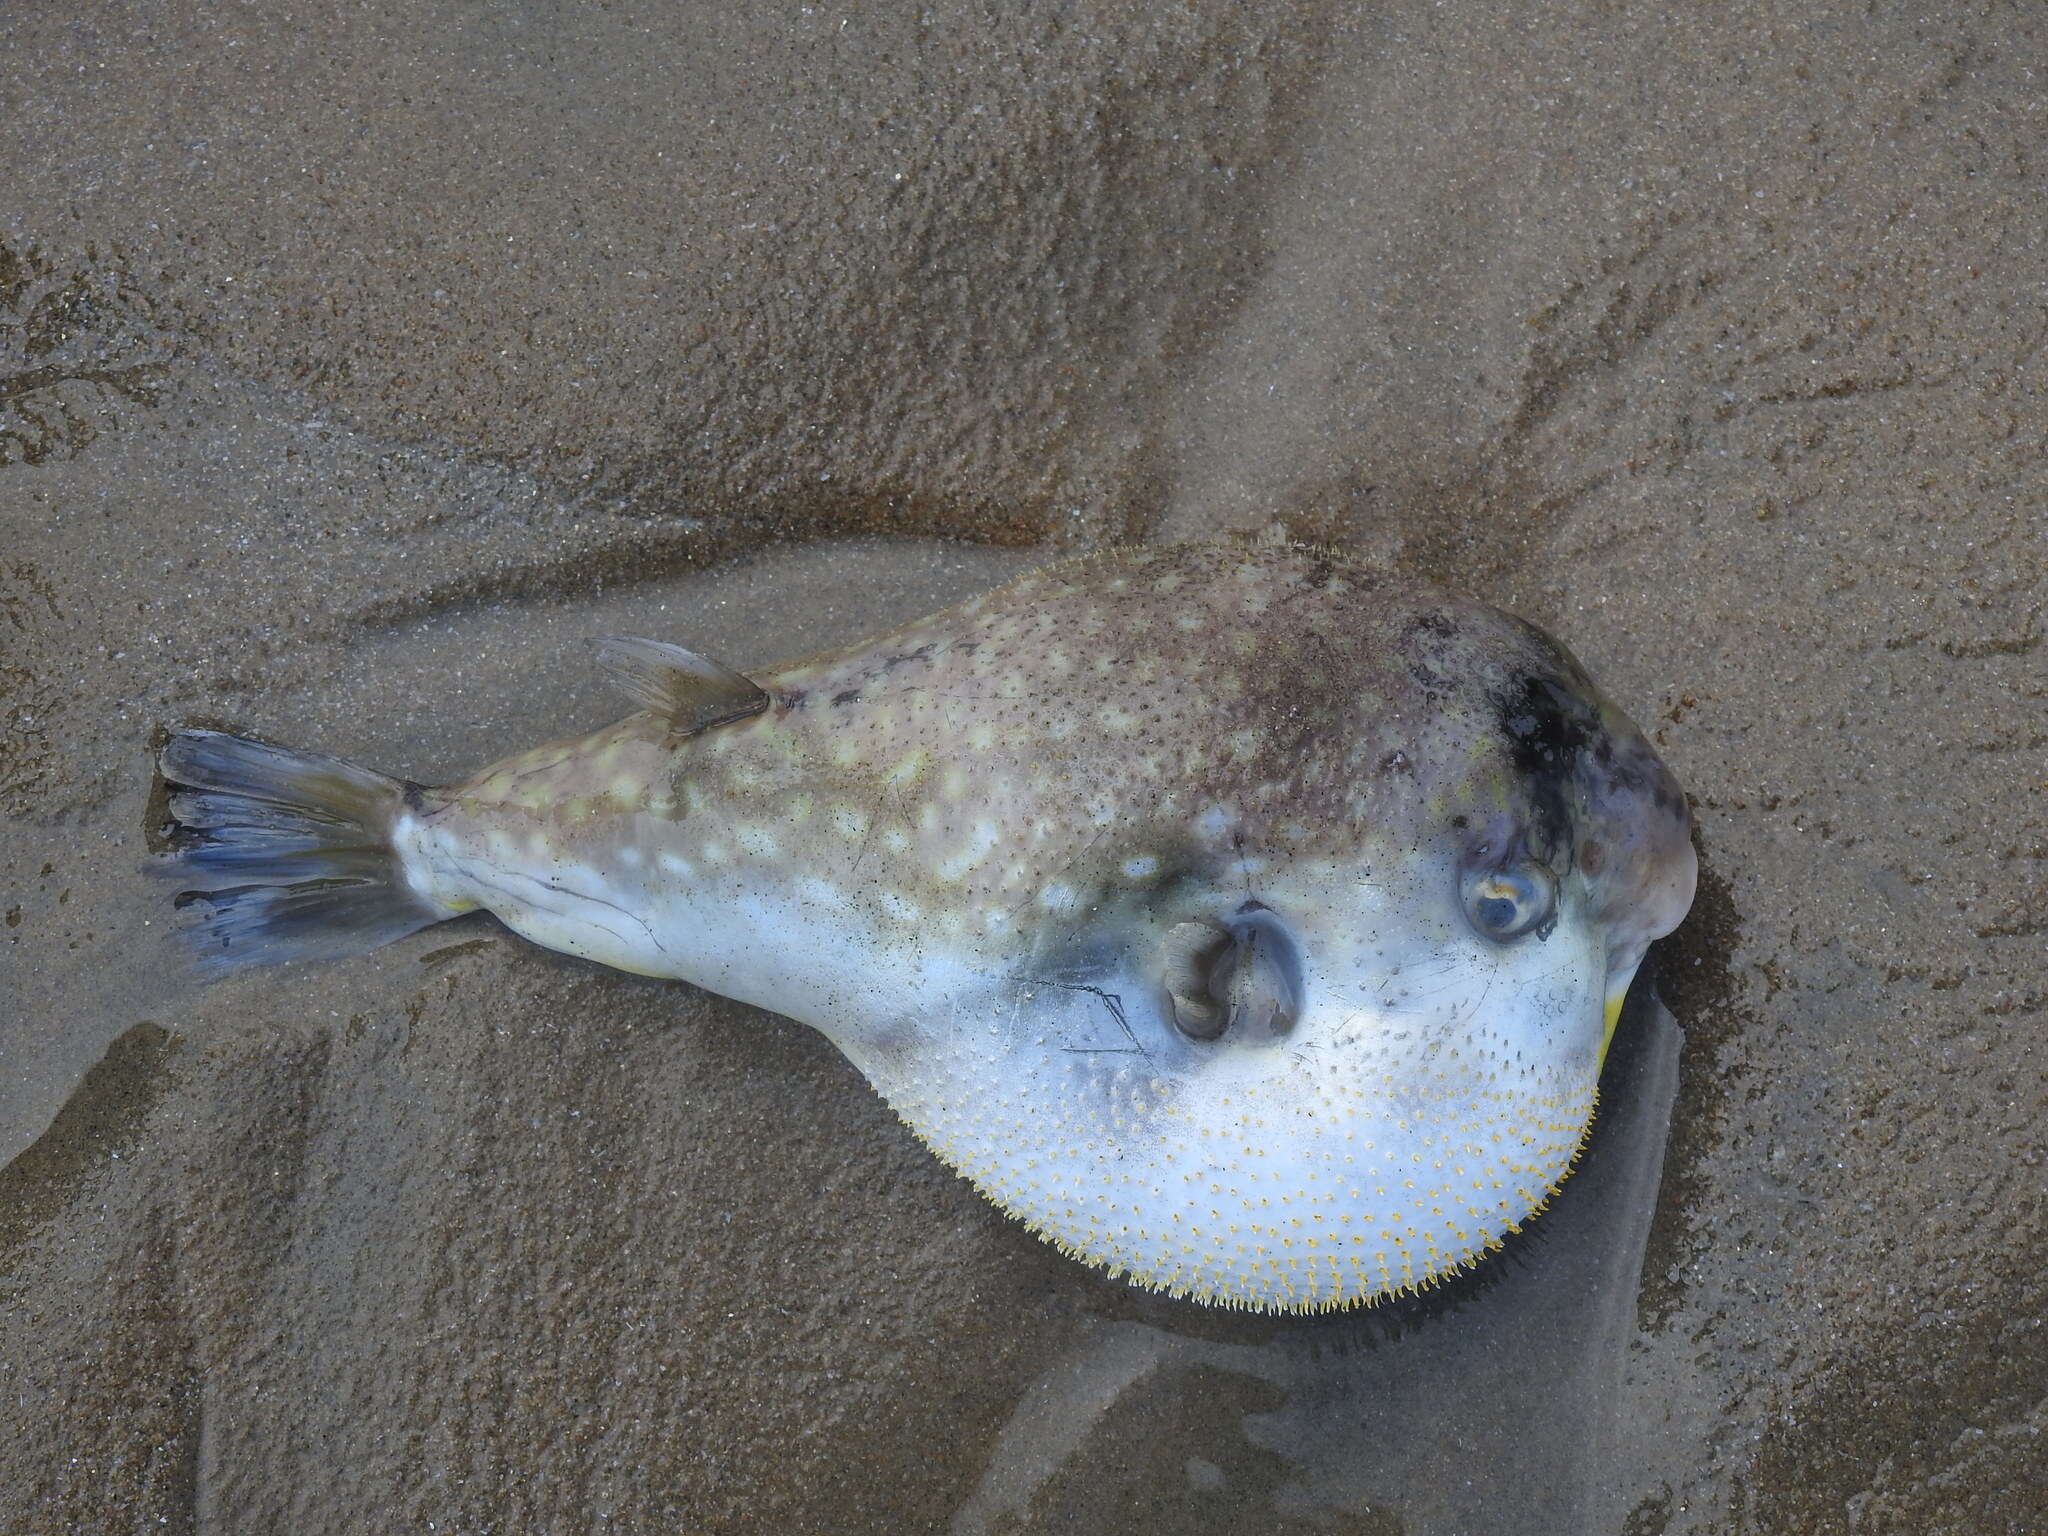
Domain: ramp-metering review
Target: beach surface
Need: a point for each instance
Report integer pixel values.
(357, 364)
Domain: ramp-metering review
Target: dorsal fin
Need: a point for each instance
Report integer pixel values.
(693, 691)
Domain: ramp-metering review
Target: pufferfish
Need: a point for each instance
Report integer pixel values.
(1243, 919)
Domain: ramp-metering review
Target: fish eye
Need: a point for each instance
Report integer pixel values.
(1506, 904)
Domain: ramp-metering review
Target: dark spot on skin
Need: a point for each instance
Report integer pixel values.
(1426, 638)
(850, 696)
(414, 796)
(1396, 762)
(1547, 726)
(793, 699)
(1622, 768)
(891, 663)
(1664, 791)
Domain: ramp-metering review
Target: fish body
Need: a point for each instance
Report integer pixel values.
(1245, 920)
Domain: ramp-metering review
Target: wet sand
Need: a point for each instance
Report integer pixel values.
(352, 369)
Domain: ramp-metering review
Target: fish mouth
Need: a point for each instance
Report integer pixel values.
(1611, 1006)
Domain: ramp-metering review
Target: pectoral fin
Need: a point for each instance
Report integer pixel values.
(693, 691)
(1241, 976)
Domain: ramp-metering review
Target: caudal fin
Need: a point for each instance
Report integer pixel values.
(285, 855)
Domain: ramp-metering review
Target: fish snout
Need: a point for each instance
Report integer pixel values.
(1635, 845)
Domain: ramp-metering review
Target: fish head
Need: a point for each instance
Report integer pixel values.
(1339, 1047)
(1593, 831)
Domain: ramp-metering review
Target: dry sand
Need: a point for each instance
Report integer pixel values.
(354, 365)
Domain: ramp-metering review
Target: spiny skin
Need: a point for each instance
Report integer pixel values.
(960, 850)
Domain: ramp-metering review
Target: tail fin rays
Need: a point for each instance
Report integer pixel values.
(288, 855)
